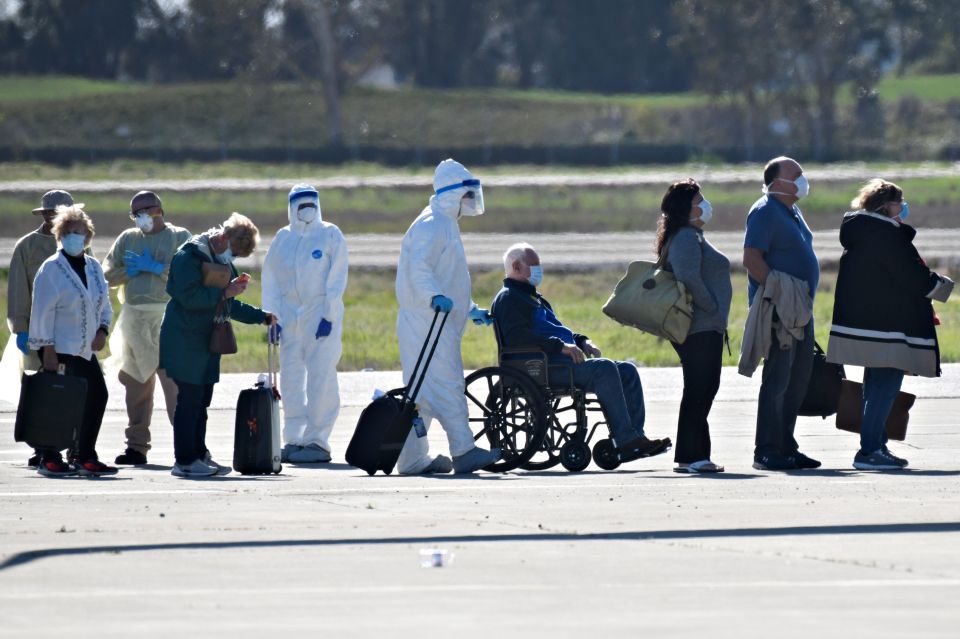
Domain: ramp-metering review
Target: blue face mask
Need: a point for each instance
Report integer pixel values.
(536, 275)
(905, 211)
(226, 257)
(73, 243)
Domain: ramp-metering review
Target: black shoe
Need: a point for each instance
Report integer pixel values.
(131, 457)
(774, 462)
(803, 462)
(34, 462)
(642, 447)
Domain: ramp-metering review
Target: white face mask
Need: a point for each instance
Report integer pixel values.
(226, 257)
(468, 206)
(144, 222)
(803, 188)
(706, 212)
(307, 214)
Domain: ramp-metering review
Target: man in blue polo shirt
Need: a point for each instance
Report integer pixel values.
(778, 239)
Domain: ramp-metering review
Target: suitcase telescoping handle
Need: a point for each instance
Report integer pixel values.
(273, 360)
(414, 381)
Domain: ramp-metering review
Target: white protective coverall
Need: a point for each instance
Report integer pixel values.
(432, 262)
(304, 278)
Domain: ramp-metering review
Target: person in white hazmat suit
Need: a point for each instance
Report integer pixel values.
(304, 278)
(139, 263)
(432, 276)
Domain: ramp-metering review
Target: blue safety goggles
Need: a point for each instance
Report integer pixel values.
(458, 185)
(302, 194)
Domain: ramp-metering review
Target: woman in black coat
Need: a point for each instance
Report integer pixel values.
(883, 317)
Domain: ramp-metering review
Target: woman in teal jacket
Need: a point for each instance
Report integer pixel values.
(185, 335)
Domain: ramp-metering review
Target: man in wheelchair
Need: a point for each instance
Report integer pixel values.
(525, 319)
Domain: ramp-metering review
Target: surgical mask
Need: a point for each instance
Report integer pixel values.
(536, 275)
(468, 206)
(706, 212)
(144, 222)
(802, 184)
(73, 243)
(905, 211)
(307, 213)
(226, 257)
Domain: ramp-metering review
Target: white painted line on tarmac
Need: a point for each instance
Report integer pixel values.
(221, 591)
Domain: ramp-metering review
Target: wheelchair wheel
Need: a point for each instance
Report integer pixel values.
(506, 408)
(575, 456)
(605, 454)
(559, 431)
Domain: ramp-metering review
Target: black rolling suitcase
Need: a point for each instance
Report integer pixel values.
(384, 425)
(51, 409)
(256, 435)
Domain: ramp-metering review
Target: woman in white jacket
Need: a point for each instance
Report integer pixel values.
(69, 325)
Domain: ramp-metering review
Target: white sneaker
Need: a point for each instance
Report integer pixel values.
(217, 468)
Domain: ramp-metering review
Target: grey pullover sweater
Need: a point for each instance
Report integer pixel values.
(705, 272)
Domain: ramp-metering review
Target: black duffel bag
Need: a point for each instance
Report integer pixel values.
(823, 390)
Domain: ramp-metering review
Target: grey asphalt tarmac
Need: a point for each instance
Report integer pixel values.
(640, 551)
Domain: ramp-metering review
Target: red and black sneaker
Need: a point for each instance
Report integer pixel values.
(93, 468)
(55, 468)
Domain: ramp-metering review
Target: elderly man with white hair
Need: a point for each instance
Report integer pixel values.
(526, 319)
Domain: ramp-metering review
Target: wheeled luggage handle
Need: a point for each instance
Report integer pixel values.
(273, 361)
(417, 383)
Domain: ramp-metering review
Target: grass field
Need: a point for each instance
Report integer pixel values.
(371, 310)
(541, 209)
(55, 112)
(934, 88)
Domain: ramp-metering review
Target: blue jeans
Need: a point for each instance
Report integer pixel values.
(616, 385)
(880, 388)
(786, 374)
(190, 421)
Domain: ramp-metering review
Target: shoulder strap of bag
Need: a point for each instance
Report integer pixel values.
(662, 258)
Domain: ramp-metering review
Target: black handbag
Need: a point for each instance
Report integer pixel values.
(50, 410)
(823, 390)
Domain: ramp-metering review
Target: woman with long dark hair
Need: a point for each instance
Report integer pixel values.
(705, 272)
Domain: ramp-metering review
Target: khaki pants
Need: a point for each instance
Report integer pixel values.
(140, 407)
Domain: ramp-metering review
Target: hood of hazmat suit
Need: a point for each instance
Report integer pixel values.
(304, 279)
(433, 262)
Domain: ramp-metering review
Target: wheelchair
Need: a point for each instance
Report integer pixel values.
(537, 425)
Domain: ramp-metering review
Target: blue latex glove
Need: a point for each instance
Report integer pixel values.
(441, 303)
(142, 263)
(22, 343)
(480, 316)
(324, 328)
(273, 333)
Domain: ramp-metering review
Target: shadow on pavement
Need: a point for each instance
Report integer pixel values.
(322, 466)
(29, 556)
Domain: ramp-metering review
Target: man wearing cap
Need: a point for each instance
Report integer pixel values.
(138, 263)
(30, 252)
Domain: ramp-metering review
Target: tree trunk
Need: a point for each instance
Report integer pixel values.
(318, 18)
